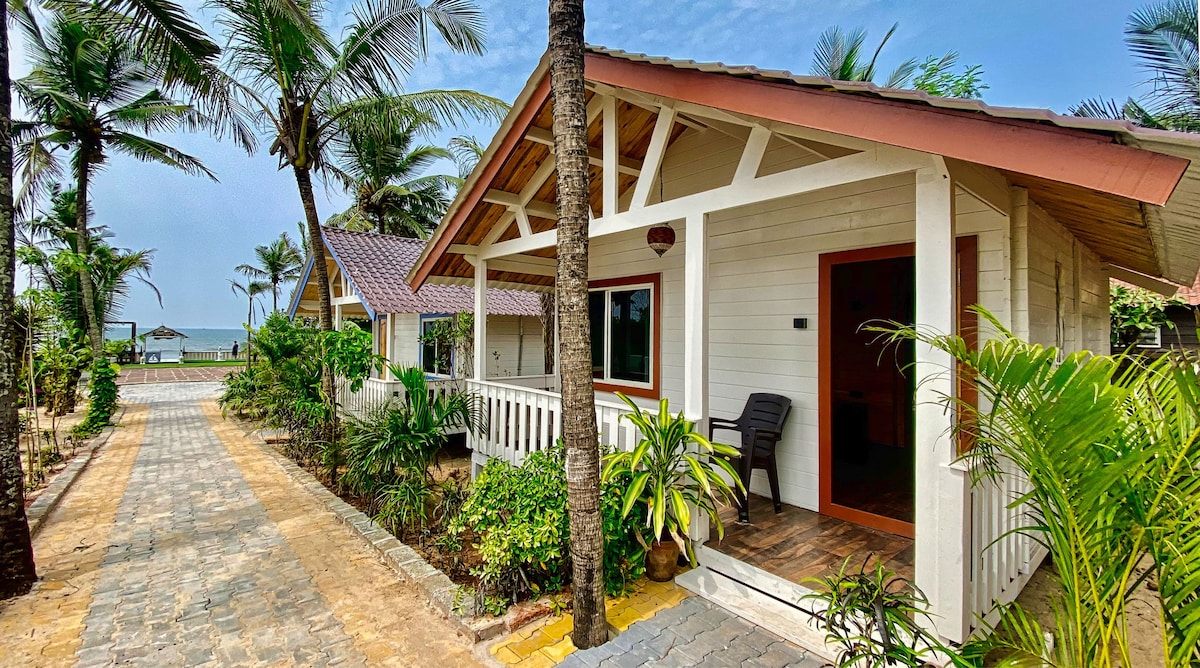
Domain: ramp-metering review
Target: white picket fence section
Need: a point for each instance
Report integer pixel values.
(521, 420)
(1003, 560)
(375, 392)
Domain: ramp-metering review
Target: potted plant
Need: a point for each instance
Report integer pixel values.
(673, 468)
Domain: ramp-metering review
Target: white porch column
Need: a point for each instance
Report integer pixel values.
(480, 319)
(337, 316)
(695, 337)
(942, 501)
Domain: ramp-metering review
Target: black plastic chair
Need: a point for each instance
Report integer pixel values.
(761, 426)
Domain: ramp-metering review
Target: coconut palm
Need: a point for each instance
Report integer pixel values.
(575, 349)
(1110, 459)
(49, 251)
(467, 151)
(385, 173)
(1163, 39)
(305, 87)
(840, 55)
(90, 94)
(251, 290)
(163, 33)
(279, 262)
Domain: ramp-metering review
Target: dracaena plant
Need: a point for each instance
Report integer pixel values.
(673, 468)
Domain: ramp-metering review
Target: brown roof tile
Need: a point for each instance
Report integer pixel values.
(377, 265)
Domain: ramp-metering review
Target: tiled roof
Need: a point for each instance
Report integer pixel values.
(1188, 293)
(908, 95)
(377, 265)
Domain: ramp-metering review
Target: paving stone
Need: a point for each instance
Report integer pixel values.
(197, 570)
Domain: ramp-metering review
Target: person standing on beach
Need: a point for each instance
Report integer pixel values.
(235, 350)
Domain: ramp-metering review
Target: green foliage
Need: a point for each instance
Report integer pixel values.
(1135, 310)
(874, 618)
(936, 76)
(283, 387)
(671, 467)
(1111, 462)
(401, 438)
(519, 516)
(403, 504)
(347, 353)
(102, 398)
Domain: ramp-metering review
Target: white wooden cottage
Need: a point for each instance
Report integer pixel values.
(803, 207)
(367, 275)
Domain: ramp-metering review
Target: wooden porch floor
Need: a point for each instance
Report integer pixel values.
(798, 544)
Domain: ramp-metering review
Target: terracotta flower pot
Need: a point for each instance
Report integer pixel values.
(661, 561)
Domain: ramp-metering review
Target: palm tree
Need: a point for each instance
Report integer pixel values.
(839, 56)
(49, 248)
(575, 348)
(384, 172)
(278, 262)
(305, 87)
(164, 33)
(88, 93)
(251, 290)
(1163, 38)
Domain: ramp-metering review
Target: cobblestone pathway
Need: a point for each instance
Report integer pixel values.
(694, 633)
(137, 374)
(187, 546)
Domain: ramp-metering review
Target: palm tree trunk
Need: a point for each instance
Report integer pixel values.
(547, 318)
(86, 288)
(578, 395)
(17, 572)
(274, 296)
(317, 248)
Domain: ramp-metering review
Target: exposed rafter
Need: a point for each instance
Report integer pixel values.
(625, 165)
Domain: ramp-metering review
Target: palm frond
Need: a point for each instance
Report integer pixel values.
(148, 150)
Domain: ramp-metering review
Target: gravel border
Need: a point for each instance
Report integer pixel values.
(53, 494)
(454, 601)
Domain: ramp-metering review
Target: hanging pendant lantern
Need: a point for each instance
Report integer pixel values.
(661, 238)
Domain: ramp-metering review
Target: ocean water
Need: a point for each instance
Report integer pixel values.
(198, 339)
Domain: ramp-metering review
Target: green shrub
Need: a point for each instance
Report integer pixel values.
(519, 515)
(102, 397)
(403, 505)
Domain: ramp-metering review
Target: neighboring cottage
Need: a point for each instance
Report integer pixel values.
(792, 209)
(1184, 317)
(367, 277)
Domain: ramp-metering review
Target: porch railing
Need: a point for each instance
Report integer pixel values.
(375, 391)
(521, 420)
(1003, 560)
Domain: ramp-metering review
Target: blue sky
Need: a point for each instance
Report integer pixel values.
(1039, 53)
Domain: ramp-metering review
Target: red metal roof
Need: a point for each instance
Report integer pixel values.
(377, 265)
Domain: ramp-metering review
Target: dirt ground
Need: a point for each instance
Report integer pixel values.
(1144, 625)
(63, 426)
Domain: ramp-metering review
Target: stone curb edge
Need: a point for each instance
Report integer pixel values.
(454, 601)
(48, 500)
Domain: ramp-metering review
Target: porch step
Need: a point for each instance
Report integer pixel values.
(756, 596)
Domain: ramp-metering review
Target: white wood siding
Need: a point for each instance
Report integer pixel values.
(763, 272)
(514, 346)
(405, 350)
(504, 339)
(1067, 288)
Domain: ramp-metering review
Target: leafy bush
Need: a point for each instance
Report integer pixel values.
(519, 515)
(102, 397)
(404, 435)
(1134, 310)
(403, 505)
(874, 619)
(1110, 458)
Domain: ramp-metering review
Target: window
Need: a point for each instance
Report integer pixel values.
(437, 356)
(1150, 338)
(624, 319)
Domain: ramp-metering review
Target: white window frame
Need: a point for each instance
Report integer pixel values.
(421, 327)
(1156, 343)
(631, 287)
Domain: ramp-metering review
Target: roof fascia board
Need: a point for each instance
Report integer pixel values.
(308, 267)
(1058, 154)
